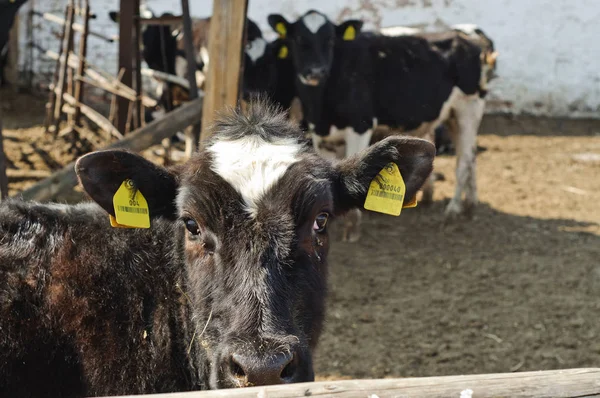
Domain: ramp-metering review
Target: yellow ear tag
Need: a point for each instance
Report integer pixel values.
(283, 52)
(386, 192)
(131, 208)
(280, 28)
(350, 33)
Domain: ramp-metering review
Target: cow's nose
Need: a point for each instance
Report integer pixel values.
(252, 370)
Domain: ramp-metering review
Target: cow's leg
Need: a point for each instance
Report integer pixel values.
(468, 112)
(428, 187)
(355, 143)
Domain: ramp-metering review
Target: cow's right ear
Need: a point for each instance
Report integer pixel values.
(102, 173)
(413, 156)
(348, 30)
(279, 25)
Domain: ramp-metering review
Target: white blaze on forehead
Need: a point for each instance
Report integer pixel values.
(256, 48)
(313, 21)
(252, 165)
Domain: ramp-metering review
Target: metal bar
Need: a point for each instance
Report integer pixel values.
(167, 20)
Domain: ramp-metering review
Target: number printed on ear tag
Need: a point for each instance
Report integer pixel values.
(386, 191)
(131, 208)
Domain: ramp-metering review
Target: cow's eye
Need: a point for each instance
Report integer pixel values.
(320, 223)
(192, 226)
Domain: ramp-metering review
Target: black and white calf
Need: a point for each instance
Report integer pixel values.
(352, 82)
(225, 289)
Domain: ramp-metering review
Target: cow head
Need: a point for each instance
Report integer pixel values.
(268, 70)
(312, 39)
(256, 205)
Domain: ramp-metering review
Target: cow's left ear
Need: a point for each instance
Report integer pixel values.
(413, 156)
(102, 174)
(348, 30)
(279, 25)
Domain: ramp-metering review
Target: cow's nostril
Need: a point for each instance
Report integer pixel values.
(236, 369)
(290, 369)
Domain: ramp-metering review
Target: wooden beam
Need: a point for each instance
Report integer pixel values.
(94, 116)
(76, 26)
(225, 52)
(11, 70)
(163, 20)
(3, 177)
(143, 138)
(552, 383)
(128, 9)
(190, 56)
(82, 55)
(64, 64)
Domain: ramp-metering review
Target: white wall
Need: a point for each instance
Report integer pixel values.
(549, 49)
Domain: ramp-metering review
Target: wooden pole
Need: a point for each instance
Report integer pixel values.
(12, 67)
(191, 63)
(137, 50)
(76, 27)
(552, 383)
(128, 9)
(81, 65)
(64, 64)
(50, 106)
(151, 134)
(225, 53)
(3, 177)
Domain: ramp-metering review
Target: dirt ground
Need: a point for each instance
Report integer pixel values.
(516, 288)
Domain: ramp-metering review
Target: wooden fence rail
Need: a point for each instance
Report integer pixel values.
(569, 383)
(151, 134)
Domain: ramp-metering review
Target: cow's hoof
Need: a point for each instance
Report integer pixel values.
(453, 210)
(469, 208)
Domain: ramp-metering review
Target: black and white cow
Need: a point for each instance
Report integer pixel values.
(352, 82)
(8, 11)
(225, 289)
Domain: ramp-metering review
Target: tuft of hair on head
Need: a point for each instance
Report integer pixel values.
(260, 118)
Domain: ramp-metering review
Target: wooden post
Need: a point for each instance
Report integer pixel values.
(137, 114)
(64, 64)
(50, 106)
(227, 28)
(128, 9)
(191, 63)
(12, 67)
(81, 66)
(3, 177)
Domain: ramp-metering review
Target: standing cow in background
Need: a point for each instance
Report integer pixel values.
(225, 289)
(353, 82)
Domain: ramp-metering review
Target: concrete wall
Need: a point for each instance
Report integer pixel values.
(549, 60)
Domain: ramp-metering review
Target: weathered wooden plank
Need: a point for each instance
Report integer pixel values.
(81, 65)
(76, 26)
(64, 64)
(11, 70)
(553, 383)
(151, 134)
(225, 53)
(128, 8)
(191, 67)
(94, 116)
